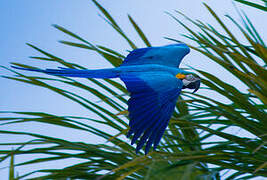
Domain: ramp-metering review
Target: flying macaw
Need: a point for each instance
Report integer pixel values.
(154, 80)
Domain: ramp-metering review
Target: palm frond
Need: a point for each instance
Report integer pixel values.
(255, 5)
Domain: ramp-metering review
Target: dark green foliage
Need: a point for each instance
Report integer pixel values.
(261, 4)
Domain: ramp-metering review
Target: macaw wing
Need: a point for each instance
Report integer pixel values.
(153, 97)
(170, 55)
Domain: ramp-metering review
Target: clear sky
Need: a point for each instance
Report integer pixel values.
(29, 21)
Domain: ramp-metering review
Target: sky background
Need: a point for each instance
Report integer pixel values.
(29, 21)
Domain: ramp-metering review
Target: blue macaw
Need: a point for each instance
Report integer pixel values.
(154, 80)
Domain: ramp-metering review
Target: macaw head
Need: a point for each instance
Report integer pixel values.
(191, 82)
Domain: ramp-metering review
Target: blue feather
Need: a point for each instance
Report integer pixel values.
(136, 116)
(160, 134)
(163, 119)
(143, 115)
(135, 84)
(150, 129)
(142, 126)
(148, 132)
(165, 112)
(139, 119)
(134, 55)
(84, 73)
(136, 105)
(139, 110)
(161, 129)
(151, 104)
(170, 55)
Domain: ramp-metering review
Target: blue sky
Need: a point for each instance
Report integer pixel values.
(29, 21)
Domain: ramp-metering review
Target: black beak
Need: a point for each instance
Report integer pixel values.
(193, 85)
(196, 85)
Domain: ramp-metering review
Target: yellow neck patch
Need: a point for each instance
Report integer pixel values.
(180, 76)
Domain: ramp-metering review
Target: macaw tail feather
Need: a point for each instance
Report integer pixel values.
(83, 73)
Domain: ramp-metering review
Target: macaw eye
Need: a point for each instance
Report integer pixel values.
(189, 77)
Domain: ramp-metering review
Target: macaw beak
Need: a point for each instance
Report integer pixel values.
(195, 84)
